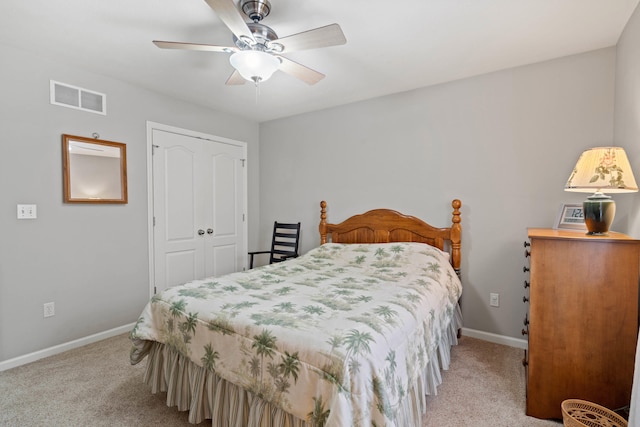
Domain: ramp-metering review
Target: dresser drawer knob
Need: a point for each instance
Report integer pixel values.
(525, 269)
(527, 253)
(526, 244)
(525, 299)
(526, 284)
(524, 331)
(526, 321)
(525, 363)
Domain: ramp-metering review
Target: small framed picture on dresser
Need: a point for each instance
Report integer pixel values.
(570, 217)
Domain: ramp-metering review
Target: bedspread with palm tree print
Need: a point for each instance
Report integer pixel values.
(337, 336)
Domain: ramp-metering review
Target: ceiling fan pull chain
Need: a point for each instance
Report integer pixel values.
(257, 90)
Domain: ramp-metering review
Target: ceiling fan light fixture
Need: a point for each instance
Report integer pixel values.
(254, 65)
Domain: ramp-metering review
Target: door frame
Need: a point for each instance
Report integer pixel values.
(151, 126)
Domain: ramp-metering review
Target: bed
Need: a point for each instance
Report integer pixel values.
(353, 333)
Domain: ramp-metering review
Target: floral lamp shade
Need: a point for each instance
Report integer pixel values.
(601, 170)
(605, 169)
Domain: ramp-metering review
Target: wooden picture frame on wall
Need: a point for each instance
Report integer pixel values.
(94, 170)
(571, 217)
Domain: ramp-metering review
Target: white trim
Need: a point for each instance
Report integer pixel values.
(150, 232)
(61, 348)
(195, 134)
(51, 351)
(495, 338)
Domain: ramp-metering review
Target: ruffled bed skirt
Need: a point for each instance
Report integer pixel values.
(205, 395)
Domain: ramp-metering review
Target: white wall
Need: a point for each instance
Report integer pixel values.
(627, 107)
(91, 260)
(504, 143)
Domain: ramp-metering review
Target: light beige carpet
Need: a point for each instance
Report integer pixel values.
(96, 386)
(484, 386)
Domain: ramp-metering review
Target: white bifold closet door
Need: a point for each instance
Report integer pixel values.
(198, 208)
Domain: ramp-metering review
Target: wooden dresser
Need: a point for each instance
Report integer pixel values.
(582, 324)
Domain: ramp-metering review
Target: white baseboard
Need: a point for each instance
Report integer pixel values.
(32, 357)
(495, 338)
(40, 354)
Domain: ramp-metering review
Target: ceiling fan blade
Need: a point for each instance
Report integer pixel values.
(235, 79)
(194, 46)
(299, 71)
(330, 35)
(230, 15)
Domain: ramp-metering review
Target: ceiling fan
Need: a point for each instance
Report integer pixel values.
(257, 51)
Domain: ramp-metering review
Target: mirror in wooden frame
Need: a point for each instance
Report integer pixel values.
(94, 170)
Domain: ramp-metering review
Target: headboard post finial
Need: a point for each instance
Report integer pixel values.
(323, 222)
(456, 204)
(456, 234)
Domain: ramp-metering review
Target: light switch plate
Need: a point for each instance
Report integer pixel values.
(27, 212)
(494, 300)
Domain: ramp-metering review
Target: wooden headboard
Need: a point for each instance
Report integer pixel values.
(386, 226)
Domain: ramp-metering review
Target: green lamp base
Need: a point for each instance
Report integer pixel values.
(599, 211)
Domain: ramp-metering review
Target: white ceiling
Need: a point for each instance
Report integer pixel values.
(392, 46)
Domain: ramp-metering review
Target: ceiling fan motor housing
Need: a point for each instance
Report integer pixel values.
(262, 34)
(256, 10)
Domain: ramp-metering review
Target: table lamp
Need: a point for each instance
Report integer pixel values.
(600, 170)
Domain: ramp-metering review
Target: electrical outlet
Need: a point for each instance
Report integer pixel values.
(49, 309)
(494, 300)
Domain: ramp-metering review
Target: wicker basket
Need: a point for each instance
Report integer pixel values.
(580, 413)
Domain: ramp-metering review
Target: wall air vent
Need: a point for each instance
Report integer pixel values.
(76, 97)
